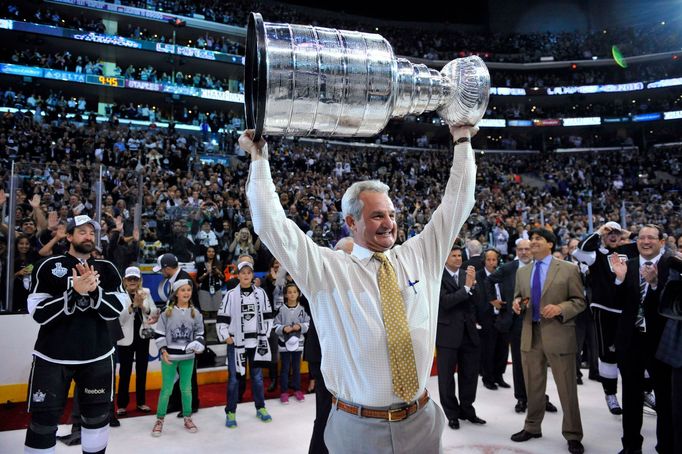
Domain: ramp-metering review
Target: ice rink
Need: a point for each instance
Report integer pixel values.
(290, 430)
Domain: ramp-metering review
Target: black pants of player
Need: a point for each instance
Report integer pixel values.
(138, 352)
(323, 405)
(586, 342)
(606, 325)
(48, 391)
(632, 366)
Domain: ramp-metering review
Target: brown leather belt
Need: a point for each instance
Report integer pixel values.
(393, 414)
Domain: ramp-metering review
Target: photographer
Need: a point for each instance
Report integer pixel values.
(210, 278)
(136, 320)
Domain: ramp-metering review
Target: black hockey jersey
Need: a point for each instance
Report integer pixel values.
(601, 280)
(73, 326)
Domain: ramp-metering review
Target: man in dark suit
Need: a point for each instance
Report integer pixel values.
(457, 341)
(670, 346)
(169, 267)
(639, 332)
(492, 316)
(474, 257)
(551, 292)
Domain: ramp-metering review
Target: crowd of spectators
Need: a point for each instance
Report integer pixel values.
(645, 72)
(84, 64)
(41, 14)
(443, 45)
(188, 205)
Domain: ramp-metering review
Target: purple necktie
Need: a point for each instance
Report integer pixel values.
(536, 292)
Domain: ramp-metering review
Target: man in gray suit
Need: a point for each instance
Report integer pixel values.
(551, 293)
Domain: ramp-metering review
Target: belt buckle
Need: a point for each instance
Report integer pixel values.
(394, 411)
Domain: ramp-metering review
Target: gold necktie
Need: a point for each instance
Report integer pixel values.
(400, 350)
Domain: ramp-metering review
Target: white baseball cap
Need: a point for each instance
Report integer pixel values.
(132, 271)
(614, 226)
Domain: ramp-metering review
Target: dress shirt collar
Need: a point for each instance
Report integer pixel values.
(654, 260)
(362, 253)
(547, 260)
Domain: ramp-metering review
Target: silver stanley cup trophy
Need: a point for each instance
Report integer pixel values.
(302, 80)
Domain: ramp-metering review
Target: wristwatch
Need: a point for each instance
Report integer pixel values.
(462, 140)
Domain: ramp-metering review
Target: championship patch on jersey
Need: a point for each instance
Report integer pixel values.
(59, 271)
(39, 396)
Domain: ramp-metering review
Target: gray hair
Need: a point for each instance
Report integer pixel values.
(475, 247)
(351, 205)
(346, 241)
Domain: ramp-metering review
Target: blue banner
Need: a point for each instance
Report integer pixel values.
(19, 70)
(63, 75)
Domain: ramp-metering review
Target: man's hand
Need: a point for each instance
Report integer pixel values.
(52, 220)
(287, 329)
(463, 131)
(551, 311)
(650, 274)
(620, 268)
(119, 223)
(229, 340)
(498, 303)
(85, 279)
(35, 202)
(60, 234)
(257, 150)
(470, 280)
(519, 304)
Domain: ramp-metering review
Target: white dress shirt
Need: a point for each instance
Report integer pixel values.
(343, 291)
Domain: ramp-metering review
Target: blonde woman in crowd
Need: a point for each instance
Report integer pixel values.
(136, 319)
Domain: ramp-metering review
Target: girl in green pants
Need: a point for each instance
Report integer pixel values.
(179, 335)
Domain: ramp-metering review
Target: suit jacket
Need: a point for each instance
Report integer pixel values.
(456, 312)
(564, 287)
(670, 346)
(628, 294)
(475, 261)
(505, 277)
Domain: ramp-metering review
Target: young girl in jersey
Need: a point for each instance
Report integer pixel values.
(179, 335)
(291, 323)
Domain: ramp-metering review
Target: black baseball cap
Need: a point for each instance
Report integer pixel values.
(78, 221)
(165, 260)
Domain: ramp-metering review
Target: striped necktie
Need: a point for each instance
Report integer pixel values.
(640, 323)
(400, 349)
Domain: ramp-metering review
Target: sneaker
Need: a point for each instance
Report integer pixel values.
(231, 420)
(299, 396)
(189, 425)
(263, 415)
(158, 427)
(649, 403)
(284, 398)
(121, 412)
(614, 406)
(144, 408)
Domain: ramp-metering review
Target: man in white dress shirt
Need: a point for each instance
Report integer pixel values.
(346, 303)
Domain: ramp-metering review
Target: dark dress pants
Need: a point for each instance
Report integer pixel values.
(465, 360)
(323, 405)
